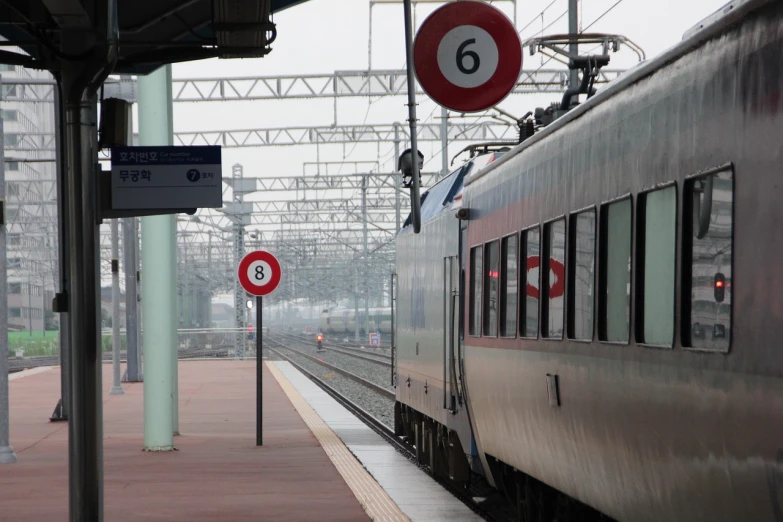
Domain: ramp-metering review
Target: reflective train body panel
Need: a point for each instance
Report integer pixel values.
(640, 370)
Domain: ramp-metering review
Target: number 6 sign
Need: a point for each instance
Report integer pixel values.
(259, 273)
(467, 56)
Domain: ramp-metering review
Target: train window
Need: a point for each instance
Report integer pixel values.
(476, 258)
(508, 286)
(614, 311)
(581, 275)
(528, 307)
(491, 280)
(553, 279)
(707, 261)
(656, 239)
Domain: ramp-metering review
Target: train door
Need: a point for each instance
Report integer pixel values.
(393, 329)
(451, 331)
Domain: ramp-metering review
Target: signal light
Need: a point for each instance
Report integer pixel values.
(250, 328)
(720, 287)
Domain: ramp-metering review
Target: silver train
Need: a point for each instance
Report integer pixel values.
(574, 337)
(341, 320)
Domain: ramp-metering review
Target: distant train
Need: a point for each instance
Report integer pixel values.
(638, 374)
(341, 320)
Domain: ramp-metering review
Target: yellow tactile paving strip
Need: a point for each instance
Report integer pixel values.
(375, 501)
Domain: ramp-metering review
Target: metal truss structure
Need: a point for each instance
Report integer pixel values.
(339, 84)
(333, 230)
(492, 130)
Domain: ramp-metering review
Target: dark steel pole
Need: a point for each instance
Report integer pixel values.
(415, 199)
(63, 408)
(259, 370)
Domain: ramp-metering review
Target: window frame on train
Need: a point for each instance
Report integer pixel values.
(686, 264)
(503, 328)
(571, 255)
(603, 259)
(522, 306)
(544, 283)
(486, 323)
(475, 322)
(642, 262)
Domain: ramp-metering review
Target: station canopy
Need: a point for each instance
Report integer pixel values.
(152, 33)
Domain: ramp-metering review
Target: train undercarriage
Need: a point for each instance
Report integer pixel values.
(516, 497)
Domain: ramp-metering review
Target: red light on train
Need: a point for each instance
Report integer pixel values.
(720, 287)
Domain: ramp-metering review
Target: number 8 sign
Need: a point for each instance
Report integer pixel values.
(259, 273)
(467, 56)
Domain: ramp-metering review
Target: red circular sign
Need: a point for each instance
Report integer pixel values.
(259, 273)
(557, 287)
(467, 56)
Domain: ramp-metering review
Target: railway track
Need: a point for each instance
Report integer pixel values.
(377, 358)
(380, 427)
(348, 346)
(381, 390)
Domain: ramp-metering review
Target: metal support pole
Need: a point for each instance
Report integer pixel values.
(209, 283)
(159, 257)
(573, 47)
(444, 141)
(7, 455)
(85, 427)
(356, 303)
(239, 252)
(415, 198)
(369, 43)
(397, 178)
(259, 370)
(130, 244)
(364, 254)
(63, 407)
(116, 389)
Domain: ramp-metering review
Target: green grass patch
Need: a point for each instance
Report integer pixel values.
(48, 343)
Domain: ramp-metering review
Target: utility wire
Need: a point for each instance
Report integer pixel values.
(604, 14)
(535, 18)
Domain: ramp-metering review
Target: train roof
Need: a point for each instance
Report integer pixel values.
(707, 29)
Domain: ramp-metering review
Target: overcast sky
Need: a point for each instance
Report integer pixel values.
(321, 36)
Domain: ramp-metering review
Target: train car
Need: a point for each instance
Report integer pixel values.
(341, 320)
(617, 350)
(429, 405)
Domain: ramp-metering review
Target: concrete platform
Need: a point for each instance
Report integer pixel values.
(416, 494)
(218, 474)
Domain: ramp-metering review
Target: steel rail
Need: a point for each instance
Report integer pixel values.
(351, 406)
(350, 352)
(379, 389)
(384, 431)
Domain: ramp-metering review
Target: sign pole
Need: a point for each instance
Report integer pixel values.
(259, 370)
(259, 274)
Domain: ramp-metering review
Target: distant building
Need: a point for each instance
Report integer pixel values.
(31, 239)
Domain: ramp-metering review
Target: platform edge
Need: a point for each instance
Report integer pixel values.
(372, 497)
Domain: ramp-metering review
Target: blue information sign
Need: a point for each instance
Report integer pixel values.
(166, 177)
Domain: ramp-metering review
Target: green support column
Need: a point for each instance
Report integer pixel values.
(159, 278)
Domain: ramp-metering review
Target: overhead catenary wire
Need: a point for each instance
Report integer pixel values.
(602, 15)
